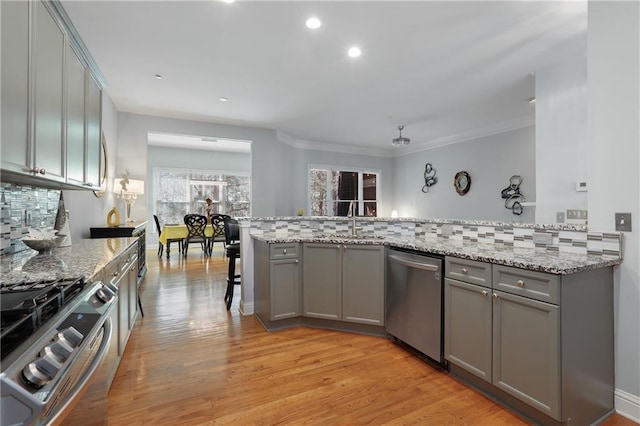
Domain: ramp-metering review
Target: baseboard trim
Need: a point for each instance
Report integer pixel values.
(627, 405)
(246, 308)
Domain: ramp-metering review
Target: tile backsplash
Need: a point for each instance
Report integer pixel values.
(21, 208)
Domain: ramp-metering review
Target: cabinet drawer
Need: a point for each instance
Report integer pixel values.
(534, 285)
(470, 271)
(284, 250)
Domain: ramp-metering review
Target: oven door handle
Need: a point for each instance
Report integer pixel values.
(89, 372)
(419, 265)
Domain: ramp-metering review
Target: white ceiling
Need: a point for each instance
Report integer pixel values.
(448, 70)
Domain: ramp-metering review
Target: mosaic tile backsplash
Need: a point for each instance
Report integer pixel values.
(579, 241)
(21, 208)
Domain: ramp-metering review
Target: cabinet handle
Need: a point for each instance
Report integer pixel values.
(284, 251)
(297, 260)
(42, 171)
(464, 271)
(115, 274)
(338, 246)
(484, 292)
(132, 268)
(495, 296)
(37, 170)
(520, 283)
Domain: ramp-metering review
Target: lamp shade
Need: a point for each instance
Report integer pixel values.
(135, 186)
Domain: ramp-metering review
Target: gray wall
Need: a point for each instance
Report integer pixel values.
(265, 159)
(613, 66)
(561, 138)
(490, 161)
(302, 158)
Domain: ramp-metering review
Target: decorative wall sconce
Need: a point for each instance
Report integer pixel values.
(129, 191)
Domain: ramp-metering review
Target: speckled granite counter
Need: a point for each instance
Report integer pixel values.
(535, 259)
(83, 258)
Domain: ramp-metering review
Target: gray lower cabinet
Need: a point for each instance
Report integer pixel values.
(544, 340)
(277, 282)
(344, 282)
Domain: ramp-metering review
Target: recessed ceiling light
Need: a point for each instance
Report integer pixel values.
(354, 52)
(313, 23)
(228, 1)
(223, 99)
(158, 77)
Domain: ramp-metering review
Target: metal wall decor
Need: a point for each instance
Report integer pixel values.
(462, 182)
(430, 178)
(512, 196)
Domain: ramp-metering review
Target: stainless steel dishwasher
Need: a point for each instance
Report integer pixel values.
(414, 301)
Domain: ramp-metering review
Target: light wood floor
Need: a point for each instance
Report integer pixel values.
(191, 362)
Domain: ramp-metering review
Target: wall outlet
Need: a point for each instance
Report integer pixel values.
(560, 217)
(623, 222)
(447, 229)
(542, 238)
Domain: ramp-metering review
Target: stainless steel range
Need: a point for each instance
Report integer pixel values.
(54, 335)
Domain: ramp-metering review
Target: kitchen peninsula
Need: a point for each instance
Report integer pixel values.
(526, 322)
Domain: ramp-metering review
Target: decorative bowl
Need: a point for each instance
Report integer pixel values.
(43, 245)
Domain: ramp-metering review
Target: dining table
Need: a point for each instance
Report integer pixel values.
(178, 232)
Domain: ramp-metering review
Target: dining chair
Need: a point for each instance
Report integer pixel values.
(196, 224)
(232, 241)
(169, 240)
(217, 222)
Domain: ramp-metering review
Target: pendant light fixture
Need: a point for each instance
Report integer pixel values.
(400, 140)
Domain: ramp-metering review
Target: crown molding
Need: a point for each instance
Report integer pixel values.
(76, 41)
(332, 147)
(505, 126)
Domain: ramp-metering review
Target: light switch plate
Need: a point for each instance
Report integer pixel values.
(623, 222)
(560, 217)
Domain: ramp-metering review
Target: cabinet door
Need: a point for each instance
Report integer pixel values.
(285, 289)
(363, 284)
(322, 269)
(123, 311)
(526, 351)
(15, 86)
(48, 95)
(467, 327)
(133, 291)
(93, 116)
(75, 117)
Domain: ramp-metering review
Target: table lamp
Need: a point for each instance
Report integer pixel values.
(129, 191)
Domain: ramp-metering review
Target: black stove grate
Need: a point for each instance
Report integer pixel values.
(25, 307)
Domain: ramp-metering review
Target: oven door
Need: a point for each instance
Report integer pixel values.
(92, 388)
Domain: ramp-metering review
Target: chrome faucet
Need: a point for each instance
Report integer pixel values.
(352, 215)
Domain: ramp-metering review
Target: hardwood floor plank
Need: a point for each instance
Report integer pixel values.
(189, 361)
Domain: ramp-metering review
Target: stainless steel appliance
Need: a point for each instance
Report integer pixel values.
(414, 301)
(54, 337)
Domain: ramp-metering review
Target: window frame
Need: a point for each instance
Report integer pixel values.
(330, 201)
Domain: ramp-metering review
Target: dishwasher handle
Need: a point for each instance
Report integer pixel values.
(419, 265)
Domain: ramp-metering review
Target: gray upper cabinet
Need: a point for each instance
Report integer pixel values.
(93, 124)
(15, 86)
(48, 95)
(51, 105)
(75, 108)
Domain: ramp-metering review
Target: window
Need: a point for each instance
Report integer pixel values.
(331, 190)
(178, 192)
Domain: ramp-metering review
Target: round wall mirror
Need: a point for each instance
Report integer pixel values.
(462, 182)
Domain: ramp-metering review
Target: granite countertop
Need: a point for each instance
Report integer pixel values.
(534, 259)
(82, 258)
